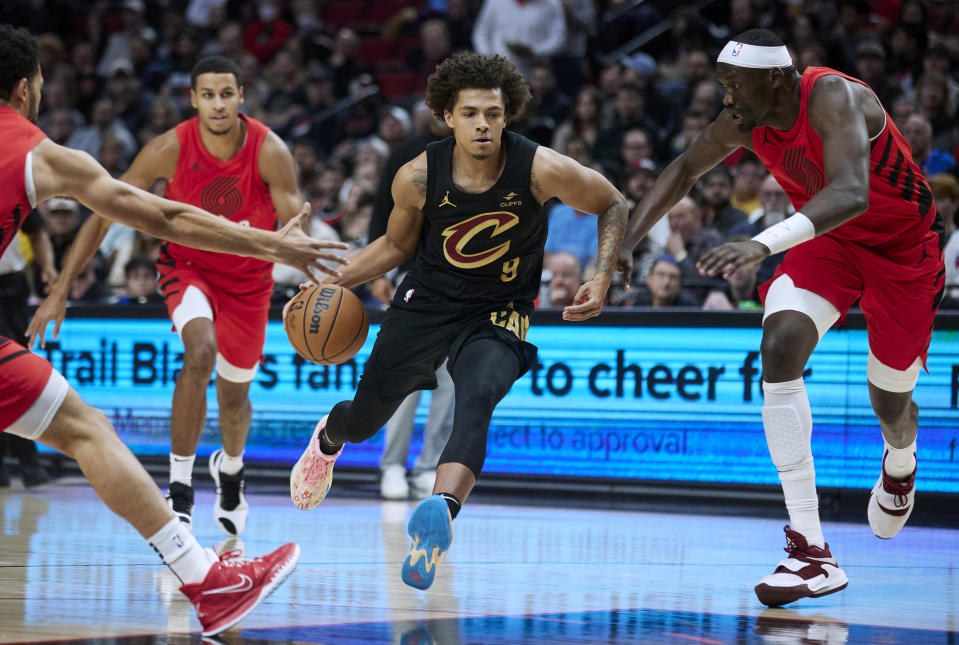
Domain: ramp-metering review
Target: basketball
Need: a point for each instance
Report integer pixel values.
(326, 324)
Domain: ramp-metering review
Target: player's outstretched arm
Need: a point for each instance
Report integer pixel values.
(61, 171)
(715, 143)
(556, 175)
(402, 231)
(837, 111)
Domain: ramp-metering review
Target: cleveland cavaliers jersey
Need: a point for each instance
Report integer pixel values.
(901, 211)
(232, 189)
(484, 248)
(17, 195)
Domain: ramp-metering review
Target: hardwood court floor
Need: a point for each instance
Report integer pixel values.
(72, 571)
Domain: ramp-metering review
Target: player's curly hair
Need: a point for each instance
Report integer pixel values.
(469, 70)
(18, 58)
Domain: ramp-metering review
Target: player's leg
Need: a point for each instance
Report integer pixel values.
(396, 450)
(240, 332)
(60, 419)
(483, 373)
(192, 316)
(408, 349)
(794, 321)
(900, 312)
(436, 434)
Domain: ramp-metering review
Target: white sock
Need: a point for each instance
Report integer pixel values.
(787, 420)
(180, 551)
(231, 465)
(901, 462)
(181, 468)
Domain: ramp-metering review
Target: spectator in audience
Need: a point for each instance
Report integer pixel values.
(571, 231)
(739, 291)
(689, 238)
(61, 217)
(307, 164)
(326, 191)
(707, 98)
(695, 66)
(112, 155)
(566, 277)
(140, 286)
(118, 45)
(520, 30)
(60, 126)
(932, 94)
(774, 208)
(585, 122)
(582, 152)
(918, 132)
(691, 125)
(747, 178)
(716, 189)
(103, 123)
(343, 62)
(358, 207)
(548, 107)
(871, 69)
(664, 286)
(945, 190)
(636, 152)
(162, 116)
(630, 113)
(57, 97)
(395, 126)
(571, 60)
(432, 49)
(268, 32)
(903, 107)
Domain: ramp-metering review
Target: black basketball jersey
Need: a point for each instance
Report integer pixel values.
(484, 248)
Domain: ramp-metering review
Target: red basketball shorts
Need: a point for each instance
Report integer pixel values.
(31, 391)
(238, 306)
(898, 289)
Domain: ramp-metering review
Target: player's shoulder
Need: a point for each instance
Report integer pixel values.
(410, 182)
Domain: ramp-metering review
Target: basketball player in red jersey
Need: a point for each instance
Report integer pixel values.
(35, 400)
(235, 167)
(865, 228)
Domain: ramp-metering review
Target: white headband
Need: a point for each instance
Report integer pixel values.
(755, 56)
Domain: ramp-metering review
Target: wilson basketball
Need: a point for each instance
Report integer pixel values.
(326, 324)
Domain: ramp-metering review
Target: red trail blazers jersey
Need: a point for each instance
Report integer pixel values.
(901, 211)
(19, 137)
(232, 189)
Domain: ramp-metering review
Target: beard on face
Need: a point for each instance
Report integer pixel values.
(33, 108)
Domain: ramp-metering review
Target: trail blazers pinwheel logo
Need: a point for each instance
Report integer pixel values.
(462, 233)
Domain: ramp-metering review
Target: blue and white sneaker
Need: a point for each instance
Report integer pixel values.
(431, 528)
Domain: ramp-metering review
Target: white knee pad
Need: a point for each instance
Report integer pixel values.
(783, 295)
(789, 446)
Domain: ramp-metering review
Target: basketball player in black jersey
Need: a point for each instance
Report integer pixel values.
(470, 209)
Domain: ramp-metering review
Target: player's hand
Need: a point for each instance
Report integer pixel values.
(52, 309)
(382, 290)
(589, 299)
(624, 265)
(302, 252)
(48, 275)
(728, 257)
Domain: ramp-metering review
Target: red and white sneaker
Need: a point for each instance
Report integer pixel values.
(313, 474)
(235, 586)
(891, 502)
(808, 572)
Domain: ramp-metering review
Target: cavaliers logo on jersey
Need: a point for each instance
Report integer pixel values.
(462, 233)
(222, 197)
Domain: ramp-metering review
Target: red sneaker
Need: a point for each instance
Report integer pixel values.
(235, 586)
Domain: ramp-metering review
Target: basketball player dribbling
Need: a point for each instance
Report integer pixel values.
(470, 209)
(235, 167)
(37, 403)
(865, 228)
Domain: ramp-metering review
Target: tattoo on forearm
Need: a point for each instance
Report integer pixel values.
(612, 226)
(419, 180)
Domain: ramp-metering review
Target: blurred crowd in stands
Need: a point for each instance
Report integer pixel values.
(621, 86)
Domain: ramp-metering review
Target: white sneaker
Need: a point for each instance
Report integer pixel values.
(231, 510)
(312, 475)
(421, 484)
(891, 502)
(393, 483)
(808, 572)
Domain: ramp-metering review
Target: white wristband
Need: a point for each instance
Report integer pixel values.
(787, 233)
